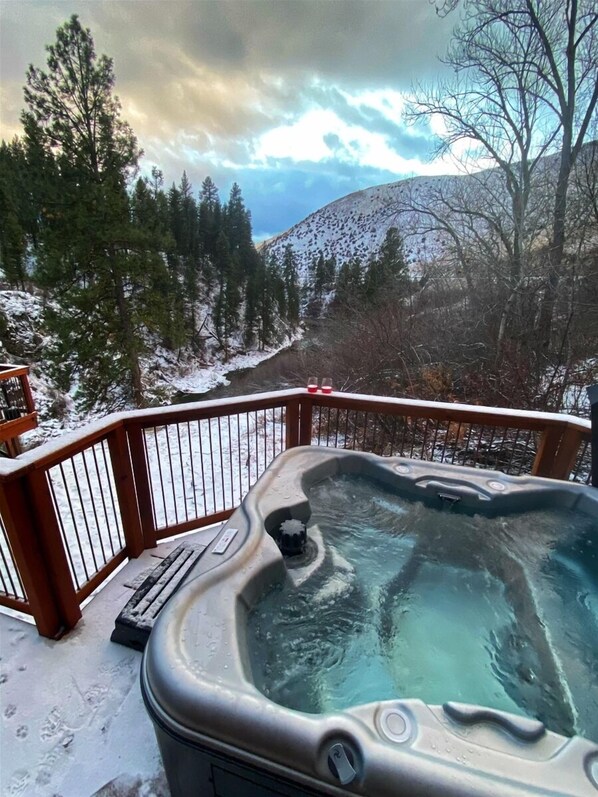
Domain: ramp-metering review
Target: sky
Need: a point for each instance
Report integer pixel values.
(299, 101)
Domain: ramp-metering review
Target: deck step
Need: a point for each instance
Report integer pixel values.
(135, 622)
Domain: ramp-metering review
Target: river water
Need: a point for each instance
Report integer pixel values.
(286, 369)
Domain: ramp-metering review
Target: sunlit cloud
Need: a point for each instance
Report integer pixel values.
(299, 99)
(320, 135)
(388, 102)
(301, 141)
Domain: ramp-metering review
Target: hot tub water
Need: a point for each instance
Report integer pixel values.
(414, 601)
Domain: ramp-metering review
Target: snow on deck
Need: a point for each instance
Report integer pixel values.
(72, 720)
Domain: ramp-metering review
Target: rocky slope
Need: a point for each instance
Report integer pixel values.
(356, 224)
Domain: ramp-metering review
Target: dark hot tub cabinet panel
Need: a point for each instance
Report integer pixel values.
(219, 735)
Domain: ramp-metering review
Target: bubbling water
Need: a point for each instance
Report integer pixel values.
(413, 602)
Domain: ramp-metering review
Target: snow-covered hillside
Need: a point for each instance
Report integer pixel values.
(355, 226)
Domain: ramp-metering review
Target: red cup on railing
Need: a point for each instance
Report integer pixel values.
(327, 385)
(312, 384)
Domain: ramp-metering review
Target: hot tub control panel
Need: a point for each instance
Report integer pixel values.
(225, 540)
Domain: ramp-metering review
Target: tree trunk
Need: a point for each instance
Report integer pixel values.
(129, 342)
(557, 245)
(504, 319)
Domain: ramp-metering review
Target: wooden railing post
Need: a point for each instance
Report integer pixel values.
(305, 421)
(53, 547)
(292, 423)
(567, 454)
(547, 451)
(26, 388)
(142, 485)
(125, 491)
(557, 452)
(32, 529)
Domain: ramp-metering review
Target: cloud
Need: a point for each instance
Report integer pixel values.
(351, 133)
(358, 41)
(185, 51)
(304, 95)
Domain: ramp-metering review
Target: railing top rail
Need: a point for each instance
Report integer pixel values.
(10, 371)
(56, 450)
(72, 442)
(500, 416)
(205, 409)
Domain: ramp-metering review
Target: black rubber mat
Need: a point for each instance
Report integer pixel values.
(135, 622)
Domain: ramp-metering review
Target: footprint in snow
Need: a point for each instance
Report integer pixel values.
(10, 711)
(22, 732)
(19, 783)
(53, 725)
(44, 776)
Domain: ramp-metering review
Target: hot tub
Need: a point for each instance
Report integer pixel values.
(458, 658)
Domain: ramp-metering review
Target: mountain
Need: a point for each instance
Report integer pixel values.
(355, 225)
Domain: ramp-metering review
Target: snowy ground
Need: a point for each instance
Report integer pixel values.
(165, 373)
(198, 378)
(72, 721)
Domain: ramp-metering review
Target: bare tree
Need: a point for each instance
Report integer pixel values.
(471, 222)
(525, 82)
(567, 71)
(491, 111)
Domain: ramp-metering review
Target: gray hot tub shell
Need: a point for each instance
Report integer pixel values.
(219, 735)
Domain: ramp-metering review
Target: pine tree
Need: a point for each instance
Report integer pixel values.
(320, 276)
(238, 223)
(276, 286)
(271, 298)
(388, 271)
(91, 253)
(330, 273)
(291, 284)
(272, 291)
(209, 216)
(228, 297)
(149, 214)
(349, 283)
(254, 274)
(13, 243)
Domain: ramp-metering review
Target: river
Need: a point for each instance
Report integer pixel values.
(285, 369)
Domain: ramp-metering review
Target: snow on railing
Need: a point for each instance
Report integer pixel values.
(72, 510)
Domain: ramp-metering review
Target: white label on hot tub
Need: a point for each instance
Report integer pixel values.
(225, 541)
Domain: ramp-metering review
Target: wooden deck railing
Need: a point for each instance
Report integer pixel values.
(17, 409)
(71, 511)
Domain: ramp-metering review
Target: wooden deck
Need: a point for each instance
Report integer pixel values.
(73, 721)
